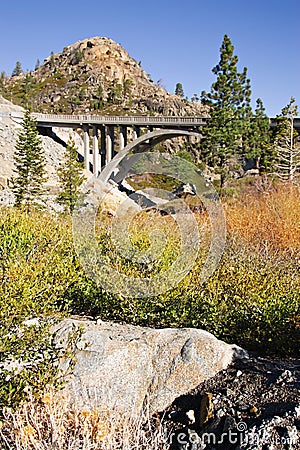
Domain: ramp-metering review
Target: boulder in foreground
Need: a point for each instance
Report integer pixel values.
(125, 367)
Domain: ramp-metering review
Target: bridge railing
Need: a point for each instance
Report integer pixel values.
(68, 118)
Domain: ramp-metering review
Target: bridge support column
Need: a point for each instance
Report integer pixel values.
(109, 144)
(136, 132)
(123, 137)
(95, 151)
(86, 147)
(102, 146)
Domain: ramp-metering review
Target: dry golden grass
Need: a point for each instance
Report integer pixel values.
(51, 424)
(270, 218)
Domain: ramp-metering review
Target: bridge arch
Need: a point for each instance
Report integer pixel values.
(140, 144)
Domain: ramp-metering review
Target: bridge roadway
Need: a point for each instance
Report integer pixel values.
(155, 121)
(73, 121)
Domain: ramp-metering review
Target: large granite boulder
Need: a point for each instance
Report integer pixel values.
(125, 367)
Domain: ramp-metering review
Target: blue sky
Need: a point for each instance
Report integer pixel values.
(176, 41)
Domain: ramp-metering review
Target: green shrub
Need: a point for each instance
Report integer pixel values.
(252, 299)
(36, 269)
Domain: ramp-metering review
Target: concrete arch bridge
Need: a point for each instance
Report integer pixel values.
(105, 136)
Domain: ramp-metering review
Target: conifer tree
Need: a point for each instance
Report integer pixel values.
(229, 101)
(52, 59)
(179, 90)
(287, 145)
(17, 70)
(246, 114)
(30, 164)
(2, 79)
(262, 150)
(70, 178)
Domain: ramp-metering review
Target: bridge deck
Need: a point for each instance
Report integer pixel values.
(70, 120)
(121, 120)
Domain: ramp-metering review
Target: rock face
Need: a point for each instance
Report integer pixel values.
(126, 367)
(99, 75)
(8, 136)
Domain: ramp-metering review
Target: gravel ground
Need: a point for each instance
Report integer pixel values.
(254, 404)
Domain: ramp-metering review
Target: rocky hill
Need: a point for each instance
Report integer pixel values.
(94, 75)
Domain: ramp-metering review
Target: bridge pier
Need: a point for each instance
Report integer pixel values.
(86, 147)
(102, 145)
(110, 137)
(123, 137)
(95, 151)
(104, 154)
(136, 132)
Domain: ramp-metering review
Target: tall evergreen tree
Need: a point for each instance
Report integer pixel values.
(179, 90)
(52, 61)
(70, 178)
(17, 70)
(245, 112)
(30, 163)
(262, 150)
(2, 79)
(287, 144)
(229, 101)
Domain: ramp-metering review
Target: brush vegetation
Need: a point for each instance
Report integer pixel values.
(252, 298)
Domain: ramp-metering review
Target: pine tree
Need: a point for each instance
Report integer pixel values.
(30, 163)
(262, 150)
(17, 70)
(115, 93)
(244, 110)
(286, 143)
(229, 101)
(179, 90)
(2, 78)
(37, 64)
(70, 178)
